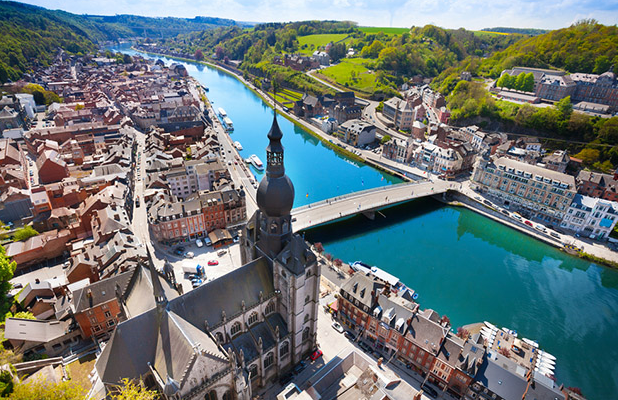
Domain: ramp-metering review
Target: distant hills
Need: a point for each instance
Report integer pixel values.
(32, 35)
(523, 31)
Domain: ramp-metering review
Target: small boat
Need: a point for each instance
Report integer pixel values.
(531, 343)
(222, 112)
(545, 361)
(544, 371)
(238, 146)
(547, 366)
(510, 331)
(490, 326)
(228, 123)
(256, 162)
(544, 354)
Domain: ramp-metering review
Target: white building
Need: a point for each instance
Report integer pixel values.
(591, 217)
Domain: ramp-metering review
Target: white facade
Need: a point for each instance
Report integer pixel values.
(591, 217)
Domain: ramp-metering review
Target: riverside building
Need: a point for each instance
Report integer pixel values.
(535, 191)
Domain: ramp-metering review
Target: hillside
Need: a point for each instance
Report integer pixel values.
(383, 59)
(31, 35)
(586, 46)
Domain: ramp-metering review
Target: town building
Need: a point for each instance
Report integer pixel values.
(357, 133)
(591, 217)
(533, 190)
(596, 184)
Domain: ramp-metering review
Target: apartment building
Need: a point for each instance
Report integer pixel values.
(533, 190)
(591, 217)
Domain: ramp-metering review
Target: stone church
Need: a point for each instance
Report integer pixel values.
(234, 335)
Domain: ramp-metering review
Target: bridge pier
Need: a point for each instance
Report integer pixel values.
(370, 214)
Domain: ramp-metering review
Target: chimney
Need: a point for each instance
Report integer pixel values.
(90, 299)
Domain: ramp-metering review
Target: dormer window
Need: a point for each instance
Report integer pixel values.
(362, 293)
(355, 287)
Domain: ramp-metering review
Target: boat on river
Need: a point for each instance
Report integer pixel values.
(229, 125)
(256, 162)
(222, 112)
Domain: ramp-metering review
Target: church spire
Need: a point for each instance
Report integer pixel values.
(157, 289)
(274, 151)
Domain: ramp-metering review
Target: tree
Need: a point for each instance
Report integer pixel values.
(337, 262)
(79, 107)
(385, 139)
(39, 97)
(319, 247)
(505, 352)
(565, 108)
(328, 256)
(463, 333)
(528, 83)
(608, 133)
(588, 156)
(45, 390)
(520, 82)
(134, 391)
(219, 52)
(199, 56)
(24, 234)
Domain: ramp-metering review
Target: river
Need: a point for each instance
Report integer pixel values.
(463, 265)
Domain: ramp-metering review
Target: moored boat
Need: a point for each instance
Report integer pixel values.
(238, 146)
(256, 162)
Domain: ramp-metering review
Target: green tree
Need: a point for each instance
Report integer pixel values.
(608, 133)
(565, 108)
(601, 64)
(520, 82)
(44, 390)
(528, 82)
(24, 234)
(134, 391)
(385, 139)
(39, 97)
(588, 156)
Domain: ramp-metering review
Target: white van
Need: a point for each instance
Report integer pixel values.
(199, 243)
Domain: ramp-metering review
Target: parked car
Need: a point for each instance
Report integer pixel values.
(286, 378)
(336, 326)
(528, 223)
(316, 354)
(196, 283)
(505, 212)
(540, 227)
(554, 234)
(429, 390)
(199, 242)
(349, 335)
(516, 216)
(189, 254)
(181, 248)
(300, 367)
(487, 202)
(17, 285)
(221, 252)
(178, 252)
(213, 262)
(366, 348)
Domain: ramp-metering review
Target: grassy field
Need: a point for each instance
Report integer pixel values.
(80, 370)
(487, 33)
(352, 73)
(387, 31)
(309, 44)
(287, 97)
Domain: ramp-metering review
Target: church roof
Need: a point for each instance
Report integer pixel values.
(296, 255)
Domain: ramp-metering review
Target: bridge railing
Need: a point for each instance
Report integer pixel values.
(358, 194)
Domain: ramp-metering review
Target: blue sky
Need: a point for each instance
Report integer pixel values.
(469, 14)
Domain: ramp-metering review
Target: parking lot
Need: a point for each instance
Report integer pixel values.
(227, 262)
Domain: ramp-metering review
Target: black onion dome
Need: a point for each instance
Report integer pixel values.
(275, 196)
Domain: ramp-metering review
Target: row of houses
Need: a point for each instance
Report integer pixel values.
(382, 313)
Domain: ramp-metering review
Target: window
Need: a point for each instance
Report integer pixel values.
(93, 320)
(306, 334)
(253, 318)
(96, 328)
(307, 298)
(307, 274)
(212, 395)
(219, 336)
(270, 308)
(227, 395)
(284, 349)
(268, 361)
(253, 371)
(108, 314)
(306, 318)
(111, 323)
(235, 328)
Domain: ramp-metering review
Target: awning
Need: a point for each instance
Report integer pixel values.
(334, 305)
(219, 235)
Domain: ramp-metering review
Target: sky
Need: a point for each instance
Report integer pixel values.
(469, 14)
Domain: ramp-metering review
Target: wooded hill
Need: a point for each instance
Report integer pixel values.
(31, 35)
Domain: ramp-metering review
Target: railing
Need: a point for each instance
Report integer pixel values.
(358, 194)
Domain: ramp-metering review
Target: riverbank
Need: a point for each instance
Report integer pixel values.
(591, 252)
(323, 137)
